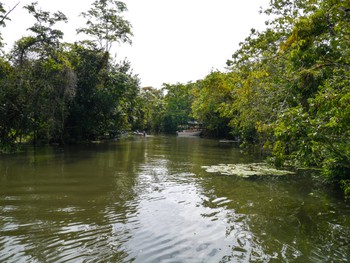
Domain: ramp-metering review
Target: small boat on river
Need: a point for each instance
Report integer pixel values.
(189, 133)
(192, 128)
(229, 141)
(139, 133)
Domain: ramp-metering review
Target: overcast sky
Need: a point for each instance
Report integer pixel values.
(174, 40)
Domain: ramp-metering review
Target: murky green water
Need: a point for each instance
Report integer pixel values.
(149, 200)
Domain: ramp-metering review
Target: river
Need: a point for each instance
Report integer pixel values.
(149, 200)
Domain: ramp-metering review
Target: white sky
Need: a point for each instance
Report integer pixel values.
(174, 40)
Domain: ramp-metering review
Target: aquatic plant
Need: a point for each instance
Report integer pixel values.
(246, 170)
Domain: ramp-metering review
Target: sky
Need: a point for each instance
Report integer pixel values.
(175, 41)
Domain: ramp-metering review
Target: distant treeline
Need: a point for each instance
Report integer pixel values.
(286, 91)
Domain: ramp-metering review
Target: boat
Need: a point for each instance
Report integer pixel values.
(189, 133)
(229, 141)
(139, 133)
(192, 128)
(235, 140)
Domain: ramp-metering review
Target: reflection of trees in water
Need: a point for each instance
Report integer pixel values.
(280, 217)
(84, 202)
(71, 202)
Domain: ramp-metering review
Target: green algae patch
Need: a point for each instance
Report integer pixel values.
(246, 170)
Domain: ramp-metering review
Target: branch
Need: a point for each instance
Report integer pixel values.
(6, 15)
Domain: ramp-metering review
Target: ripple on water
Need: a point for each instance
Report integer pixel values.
(177, 231)
(161, 209)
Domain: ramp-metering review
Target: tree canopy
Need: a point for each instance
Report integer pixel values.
(106, 24)
(56, 92)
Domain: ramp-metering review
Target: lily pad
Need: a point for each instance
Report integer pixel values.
(246, 170)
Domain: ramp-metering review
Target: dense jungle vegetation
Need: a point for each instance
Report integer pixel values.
(286, 90)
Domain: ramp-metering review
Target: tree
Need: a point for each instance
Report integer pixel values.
(209, 96)
(106, 94)
(57, 92)
(107, 90)
(178, 100)
(106, 24)
(44, 76)
(10, 110)
(291, 88)
(4, 16)
(150, 110)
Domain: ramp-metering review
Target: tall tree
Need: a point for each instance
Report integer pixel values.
(318, 51)
(106, 94)
(44, 75)
(296, 71)
(106, 24)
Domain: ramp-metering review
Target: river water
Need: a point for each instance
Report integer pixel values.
(149, 200)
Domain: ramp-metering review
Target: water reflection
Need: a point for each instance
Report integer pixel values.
(282, 220)
(66, 205)
(149, 200)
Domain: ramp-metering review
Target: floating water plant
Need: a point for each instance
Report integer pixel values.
(246, 170)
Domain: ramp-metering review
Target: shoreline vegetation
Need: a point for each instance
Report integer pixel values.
(286, 91)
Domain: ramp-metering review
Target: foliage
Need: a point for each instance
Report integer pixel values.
(316, 131)
(286, 90)
(209, 96)
(106, 94)
(251, 170)
(42, 78)
(4, 17)
(53, 92)
(9, 108)
(296, 72)
(106, 24)
(151, 110)
(178, 101)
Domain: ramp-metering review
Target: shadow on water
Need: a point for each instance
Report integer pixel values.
(149, 200)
